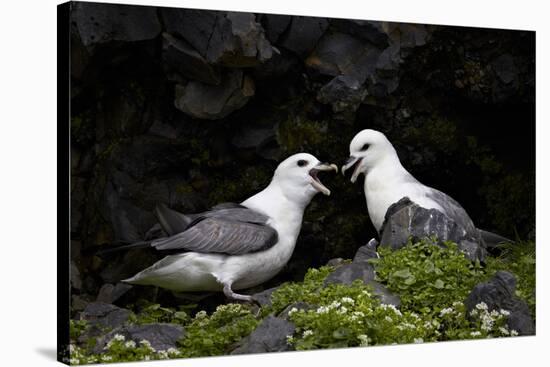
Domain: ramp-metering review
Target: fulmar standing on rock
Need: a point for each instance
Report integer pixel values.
(236, 246)
(387, 182)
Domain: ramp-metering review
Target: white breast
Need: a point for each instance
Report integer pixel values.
(382, 189)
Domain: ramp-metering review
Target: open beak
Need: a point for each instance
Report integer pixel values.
(350, 163)
(316, 183)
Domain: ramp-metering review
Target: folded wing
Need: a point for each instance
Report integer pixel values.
(227, 228)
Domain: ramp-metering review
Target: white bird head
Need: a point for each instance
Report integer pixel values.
(298, 175)
(368, 149)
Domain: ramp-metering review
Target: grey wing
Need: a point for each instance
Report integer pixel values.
(221, 235)
(452, 209)
(171, 221)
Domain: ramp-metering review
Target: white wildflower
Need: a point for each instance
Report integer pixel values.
(505, 312)
(289, 339)
(388, 319)
(503, 330)
(514, 332)
(162, 354)
(173, 351)
(364, 340)
(495, 313)
(106, 358)
(307, 333)
(445, 311)
(130, 344)
(457, 304)
(348, 300)
(292, 310)
(482, 306)
(418, 340)
(147, 358)
(119, 337)
(475, 333)
(334, 304)
(391, 307)
(473, 313)
(322, 309)
(343, 310)
(201, 314)
(146, 344)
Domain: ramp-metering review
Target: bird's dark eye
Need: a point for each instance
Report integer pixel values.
(365, 147)
(302, 163)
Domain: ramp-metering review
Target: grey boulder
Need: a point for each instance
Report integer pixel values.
(499, 294)
(161, 336)
(405, 219)
(101, 23)
(105, 315)
(213, 102)
(269, 336)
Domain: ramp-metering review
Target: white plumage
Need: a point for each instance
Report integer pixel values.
(284, 200)
(387, 181)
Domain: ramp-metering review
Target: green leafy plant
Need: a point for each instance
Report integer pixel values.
(426, 276)
(213, 335)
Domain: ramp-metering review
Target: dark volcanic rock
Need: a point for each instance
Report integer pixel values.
(303, 34)
(406, 219)
(366, 252)
(239, 42)
(344, 93)
(275, 25)
(110, 293)
(104, 315)
(161, 336)
(371, 31)
(214, 102)
(384, 294)
(195, 26)
(269, 336)
(264, 297)
(360, 268)
(346, 274)
(231, 39)
(499, 294)
(337, 54)
(100, 23)
(181, 58)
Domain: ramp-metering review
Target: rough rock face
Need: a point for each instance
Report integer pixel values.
(269, 336)
(302, 34)
(180, 58)
(231, 39)
(406, 219)
(100, 23)
(104, 315)
(213, 102)
(264, 297)
(499, 294)
(360, 268)
(344, 93)
(161, 336)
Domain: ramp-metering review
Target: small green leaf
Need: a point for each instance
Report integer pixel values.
(439, 284)
(402, 273)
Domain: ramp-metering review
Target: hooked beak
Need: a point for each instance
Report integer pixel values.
(352, 162)
(316, 183)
